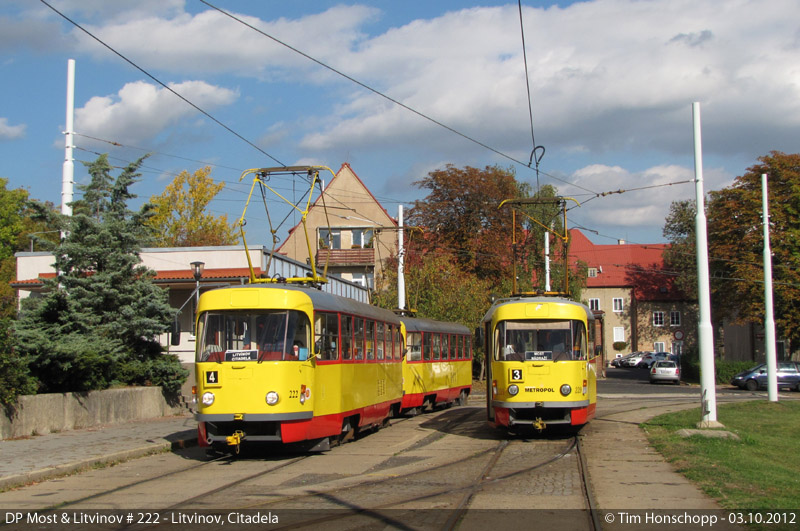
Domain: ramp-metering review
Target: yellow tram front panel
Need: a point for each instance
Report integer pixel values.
(255, 374)
(240, 388)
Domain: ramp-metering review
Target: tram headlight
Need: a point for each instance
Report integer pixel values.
(513, 389)
(565, 390)
(208, 398)
(272, 398)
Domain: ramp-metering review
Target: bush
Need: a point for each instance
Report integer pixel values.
(619, 345)
(165, 371)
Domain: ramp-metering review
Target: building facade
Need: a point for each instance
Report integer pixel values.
(350, 231)
(643, 310)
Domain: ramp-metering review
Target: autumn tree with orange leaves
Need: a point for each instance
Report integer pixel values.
(182, 218)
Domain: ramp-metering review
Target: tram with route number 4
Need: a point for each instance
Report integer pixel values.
(280, 360)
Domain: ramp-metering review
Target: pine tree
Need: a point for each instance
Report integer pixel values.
(97, 322)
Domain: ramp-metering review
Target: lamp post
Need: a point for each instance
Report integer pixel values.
(197, 271)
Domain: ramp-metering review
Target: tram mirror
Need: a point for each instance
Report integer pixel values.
(175, 333)
(479, 335)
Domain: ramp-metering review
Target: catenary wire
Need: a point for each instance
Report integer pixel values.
(165, 86)
(382, 95)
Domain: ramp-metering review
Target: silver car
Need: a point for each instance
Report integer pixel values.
(665, 371)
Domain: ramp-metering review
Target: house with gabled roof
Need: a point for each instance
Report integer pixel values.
(349, 230)
(642, 306)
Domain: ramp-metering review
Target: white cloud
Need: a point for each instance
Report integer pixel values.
(639, 198)
(212, 42)
(11, 132)
(605, 75)
(140, 111)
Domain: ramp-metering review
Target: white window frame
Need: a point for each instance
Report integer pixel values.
(619, 333)
(592, 272)
(674, 318)
(659, 346)
(618, 304)
(594, 304)
(658, 318)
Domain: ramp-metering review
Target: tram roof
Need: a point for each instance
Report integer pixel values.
(524, 299)
(421, 324)
(322, 300)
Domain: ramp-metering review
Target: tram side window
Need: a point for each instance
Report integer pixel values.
(347, 337)
(437, 346)
(370, 340)
(453, 347)
(461, 347)
(427, 346)
(579, 345)
(326, 331)
(358, 338)
(414, 346)
(380, 338)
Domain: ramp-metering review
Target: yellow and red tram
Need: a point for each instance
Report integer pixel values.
(290, 363)
(541, 362)
(437, 367)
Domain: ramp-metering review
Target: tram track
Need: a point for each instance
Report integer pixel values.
(379, 498)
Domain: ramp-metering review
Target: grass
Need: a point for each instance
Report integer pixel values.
(759, 472)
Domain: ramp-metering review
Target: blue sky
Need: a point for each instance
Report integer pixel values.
(612, 85)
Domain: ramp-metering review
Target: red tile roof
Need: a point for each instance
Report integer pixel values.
(639, 266)
(164, 276)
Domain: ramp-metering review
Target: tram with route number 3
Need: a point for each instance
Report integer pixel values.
(541, 359)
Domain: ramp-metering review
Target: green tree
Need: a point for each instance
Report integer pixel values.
(97, 323)
(15, 228)
(736, 243)
(180, 218)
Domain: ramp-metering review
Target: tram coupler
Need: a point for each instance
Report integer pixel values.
(235, 439)
(539, 424)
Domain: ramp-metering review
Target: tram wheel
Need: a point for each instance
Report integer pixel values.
(462, 399)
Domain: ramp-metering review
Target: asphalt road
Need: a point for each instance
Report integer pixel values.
(637, 381)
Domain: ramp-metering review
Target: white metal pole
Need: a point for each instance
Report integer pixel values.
(401, 279)
(705, 330)
(68, 167)
(769, 320)
(546, 261)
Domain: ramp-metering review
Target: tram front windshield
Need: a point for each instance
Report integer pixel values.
(253, 336)
(540, 340)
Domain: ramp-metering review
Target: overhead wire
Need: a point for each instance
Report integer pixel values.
(535, 148)
(382, 95)
(591, 193)
(162, 84)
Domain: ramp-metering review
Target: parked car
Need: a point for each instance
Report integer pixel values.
(650, 358)
(665, 371)
(634, 359)
(620, 361)
(756, 378)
